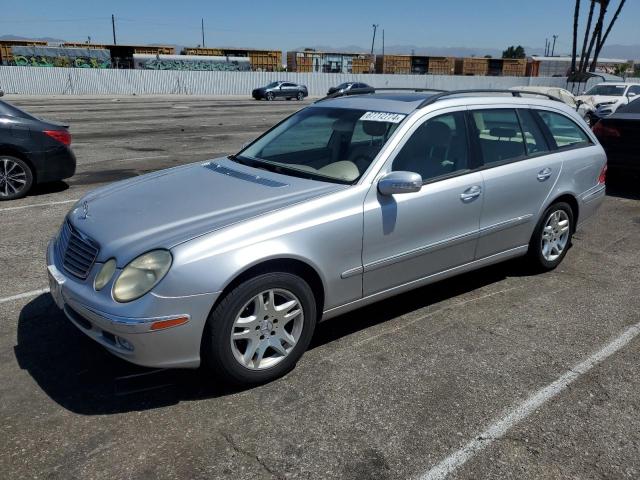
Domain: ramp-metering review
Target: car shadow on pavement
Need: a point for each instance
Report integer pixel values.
(48, 188)
(84, 378)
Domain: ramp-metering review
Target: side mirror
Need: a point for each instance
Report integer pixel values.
(399, 182)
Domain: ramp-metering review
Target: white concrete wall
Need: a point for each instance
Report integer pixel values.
(79, 81)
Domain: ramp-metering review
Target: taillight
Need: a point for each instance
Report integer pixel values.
(62, 136)
(602, 178)
(602, 131)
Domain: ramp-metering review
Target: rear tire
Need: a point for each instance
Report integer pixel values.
(260, 329)
(16, 178)
(552, 237)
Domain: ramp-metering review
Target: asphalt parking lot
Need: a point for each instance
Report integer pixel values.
(441, 374)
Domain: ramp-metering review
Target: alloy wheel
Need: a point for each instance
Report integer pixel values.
(555, 235)
(13, 177)
(267, 329)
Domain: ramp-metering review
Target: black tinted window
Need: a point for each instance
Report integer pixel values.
(499, 135)
(438, 147)
(565, 131)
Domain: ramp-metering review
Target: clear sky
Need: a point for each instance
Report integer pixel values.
(284, 24)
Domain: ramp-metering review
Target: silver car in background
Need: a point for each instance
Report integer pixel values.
(232, 262)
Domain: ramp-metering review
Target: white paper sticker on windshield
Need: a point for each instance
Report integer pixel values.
(383, 117)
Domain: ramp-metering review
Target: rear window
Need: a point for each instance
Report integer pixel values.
(565, 131)
(499, 135)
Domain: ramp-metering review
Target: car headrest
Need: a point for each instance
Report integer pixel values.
(375, 129)
(502, 132)
(342, 125)
(437, 133)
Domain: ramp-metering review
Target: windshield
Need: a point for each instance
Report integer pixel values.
(272, 85)
(607, 90)
(331, 144)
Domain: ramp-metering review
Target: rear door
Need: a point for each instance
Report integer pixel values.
(519, 172)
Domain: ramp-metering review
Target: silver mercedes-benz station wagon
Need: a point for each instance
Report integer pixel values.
(232, 262)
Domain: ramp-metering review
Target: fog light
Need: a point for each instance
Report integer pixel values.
(124, 344)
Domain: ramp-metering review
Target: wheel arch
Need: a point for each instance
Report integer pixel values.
(573, 203)
(291, 265)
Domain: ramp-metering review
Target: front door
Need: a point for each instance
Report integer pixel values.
(414, 235)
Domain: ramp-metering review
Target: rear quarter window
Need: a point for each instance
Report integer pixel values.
(565, 132)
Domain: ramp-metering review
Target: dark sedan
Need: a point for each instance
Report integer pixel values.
(619, 134)
(31, 151)
(286, 90)
(345, 87)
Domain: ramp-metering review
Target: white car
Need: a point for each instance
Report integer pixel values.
(608, 97)
(564, 96)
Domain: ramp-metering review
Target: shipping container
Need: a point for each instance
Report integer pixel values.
(514, 67)
(533, 68)
(6, 54)
(441, 65)
(329, 62)
(393, 64)
(472, 66)
(261, 60)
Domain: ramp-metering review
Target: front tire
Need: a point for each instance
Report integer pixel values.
(260, 329)
(300, 96)
(552, 237)
(16, 178)
(269, 96)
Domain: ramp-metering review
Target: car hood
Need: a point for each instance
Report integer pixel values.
(169, 207)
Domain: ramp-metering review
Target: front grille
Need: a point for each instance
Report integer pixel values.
(78, 253)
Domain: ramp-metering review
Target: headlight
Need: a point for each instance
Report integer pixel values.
(141, 275)
(105, 274)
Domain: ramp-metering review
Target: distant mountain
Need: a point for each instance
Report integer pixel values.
(41, 39)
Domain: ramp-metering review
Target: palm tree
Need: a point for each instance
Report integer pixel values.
(574, 51)
(597, 31)
(603, 38)
(586, 37)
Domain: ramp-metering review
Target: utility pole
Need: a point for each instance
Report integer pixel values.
(202, 26)
(375, 27)
(383, 42)
(113, 27)
(553, 49)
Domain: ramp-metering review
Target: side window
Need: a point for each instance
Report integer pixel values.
(533, 137)
(499, 135)
(437, 147)
(635, 89)
(565, 131)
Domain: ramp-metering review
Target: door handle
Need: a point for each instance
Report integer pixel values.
(471, 193)
(544, 174)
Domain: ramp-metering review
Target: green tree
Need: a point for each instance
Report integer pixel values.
(514, 52)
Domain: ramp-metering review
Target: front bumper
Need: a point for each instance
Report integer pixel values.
(125, 329)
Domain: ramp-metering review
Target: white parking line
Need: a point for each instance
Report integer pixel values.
(500, 426)
(61, 202)
(32, 293)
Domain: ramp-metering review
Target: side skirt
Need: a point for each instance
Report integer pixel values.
(496, 258)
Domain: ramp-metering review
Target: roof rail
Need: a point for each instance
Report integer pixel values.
(364, 91)
(514, 93)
